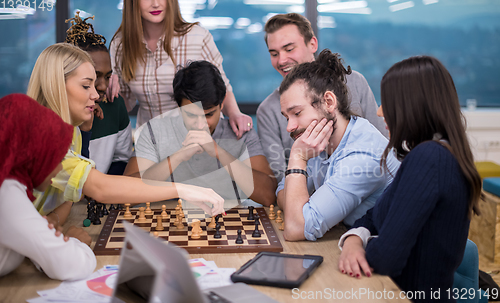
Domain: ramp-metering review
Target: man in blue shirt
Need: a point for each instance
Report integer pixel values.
(334, 171)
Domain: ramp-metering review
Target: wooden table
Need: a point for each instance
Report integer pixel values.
(325, 282)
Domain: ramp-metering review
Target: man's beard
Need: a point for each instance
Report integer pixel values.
(329, 117)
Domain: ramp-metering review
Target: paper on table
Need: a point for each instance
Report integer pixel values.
(221, 277)
(96, 288)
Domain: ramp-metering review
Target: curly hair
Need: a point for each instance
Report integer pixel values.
(82, 34)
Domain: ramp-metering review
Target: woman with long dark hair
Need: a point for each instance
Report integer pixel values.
(417, 231)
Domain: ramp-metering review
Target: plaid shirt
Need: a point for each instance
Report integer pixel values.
(152, 84)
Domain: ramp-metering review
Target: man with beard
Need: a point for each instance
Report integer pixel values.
(334, 171)
(291, 41)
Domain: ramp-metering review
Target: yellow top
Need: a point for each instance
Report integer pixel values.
(67, 185)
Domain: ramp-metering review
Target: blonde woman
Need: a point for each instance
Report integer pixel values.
(63, 80)
(152, 40)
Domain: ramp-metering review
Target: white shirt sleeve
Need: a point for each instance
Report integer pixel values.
(25, 232)
(361, 232)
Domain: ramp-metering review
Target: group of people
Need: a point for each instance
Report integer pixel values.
(406, 188)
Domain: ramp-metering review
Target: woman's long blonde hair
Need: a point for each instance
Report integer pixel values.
(48, 79)
(132, 35)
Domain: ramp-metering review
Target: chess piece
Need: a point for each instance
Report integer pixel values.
(212, 223)
(196, 229)
(105, 210)
(279, 219)
(239, 240)
(159, 223)
(256, 232)
(89, 210)
(179, 203)
(128, 214)
(148, 209)
(96, 220)
(112, 207)
(250, 213)
(282, 226)
(164, 214)
(99, 211)
(272, 214)
(119, 206)
(178, 222)
(217, 234)
(86, 223)
(142, 215)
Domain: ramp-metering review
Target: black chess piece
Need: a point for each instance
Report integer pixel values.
(250, 213)
(89, 211)
(112, 207)
(100, 213)
(96, 220)
(119, 207)
(217, 234)
(88, 220)
(239, 240)
(256, 232)
(105, 210)
(217, 218)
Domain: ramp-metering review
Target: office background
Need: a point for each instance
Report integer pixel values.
(370, 35)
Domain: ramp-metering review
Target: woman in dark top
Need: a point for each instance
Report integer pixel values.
(417, 231)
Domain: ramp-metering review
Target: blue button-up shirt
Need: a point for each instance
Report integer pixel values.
(348, 183)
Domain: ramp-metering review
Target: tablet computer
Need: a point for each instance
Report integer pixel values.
(276, 269)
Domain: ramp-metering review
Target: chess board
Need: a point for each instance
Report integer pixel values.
(112, 236)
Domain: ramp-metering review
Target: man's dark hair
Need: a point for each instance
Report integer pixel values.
(199, 81)
(325, 74)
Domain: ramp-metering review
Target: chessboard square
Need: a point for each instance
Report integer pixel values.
(117, 239)
(234, 237)
(195, 215)
(232, 223)
(195, 211)
(233, 211)
(250, 228)
(146, 227)
(212, 232)
(232, 220)
(118, 230)
(120, 221)
(142, 224)
(179, 243)
(114, 245)
(153, 229)
(250, 232)
(236, 227)
(178, 232)
(257, 242)
(232, 231)
(177, 238)
(160, 233)
(198, 242)
(211, 238)
(217, 242)
(249, 223)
